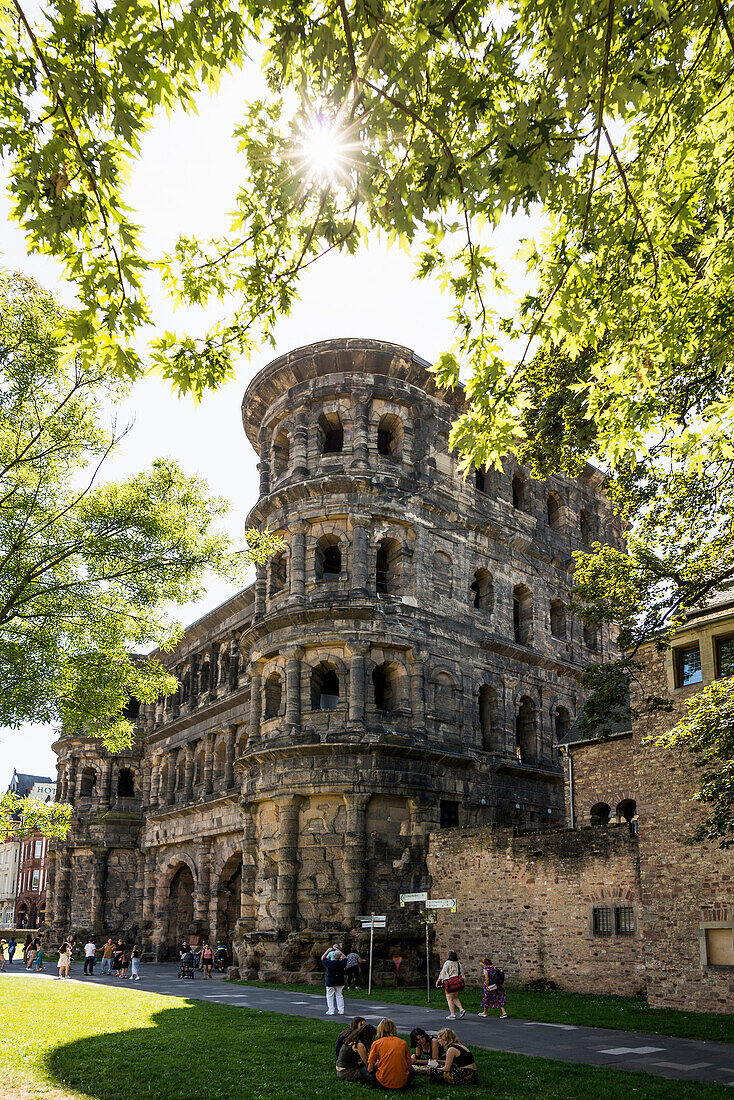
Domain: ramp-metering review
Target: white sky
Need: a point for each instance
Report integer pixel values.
(184, 182)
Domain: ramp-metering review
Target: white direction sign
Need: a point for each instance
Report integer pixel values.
(413, 897)
(373, 917)
(376, 924)
(442, 903)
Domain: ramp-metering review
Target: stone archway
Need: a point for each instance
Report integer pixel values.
(180, 909)
(229, 892)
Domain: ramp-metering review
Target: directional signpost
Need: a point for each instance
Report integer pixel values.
(421, 896)
(428, 917)
(372, 922)
(442, 903)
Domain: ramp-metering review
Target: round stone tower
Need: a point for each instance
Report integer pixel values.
(403, 673)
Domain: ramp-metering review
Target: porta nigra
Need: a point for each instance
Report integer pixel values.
(408, 664)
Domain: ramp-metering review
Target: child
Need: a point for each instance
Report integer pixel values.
(64, 961)
(39, 958)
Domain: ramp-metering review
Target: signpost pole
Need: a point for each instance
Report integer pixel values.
(428, 968)
(372, 938)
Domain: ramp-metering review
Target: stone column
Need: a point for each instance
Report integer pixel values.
(255, 700)
(149, 888)
(293, 657)
(194, 681)
(189, 773)
(417, 693)
(261, 577)
(248, 907)
(106, 783)
(176, 697)
(264, 464)
(355, 848)
(229, 757)
(203, 877)
(213, 667)
(287, 888)
(146, 769)
(358, 651)
(360, 551)
(300, 446)
(99, 873)
(71, 778)
(63, 894)
(171, 790)
(234, 662)
(298, 559)
(360, 453)
(208, 764)
(155, 782)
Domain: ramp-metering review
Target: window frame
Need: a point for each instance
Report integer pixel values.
(718, 639)
(678, 652)
(618, 929)
(703, 928)
(596, 922)
(444, 805)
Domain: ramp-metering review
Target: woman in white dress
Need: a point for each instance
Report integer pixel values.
(452, 981)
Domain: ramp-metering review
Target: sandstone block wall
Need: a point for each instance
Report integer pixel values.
(527, 902)
(603, 772)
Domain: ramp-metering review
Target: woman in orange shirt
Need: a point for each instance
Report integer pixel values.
(389, 1059)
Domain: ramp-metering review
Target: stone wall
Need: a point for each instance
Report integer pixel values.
(527, 902)
(603, 772)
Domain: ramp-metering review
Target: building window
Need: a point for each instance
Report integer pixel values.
(600, 813)
(38, 849)
(553, 511)
(688, 665)
(624, 920)
(488, 717)
(388, 567)
(719, 943)
(724, 657)
(324, 688)
(328, 561)
(273, 695)
(332, 433)
(35, 881)
(518, 492)
(522, 614)
(558, 619)
(449, 814)
(480, 479)
(390, 436)
(482, 590)
(602, 923)
(278, 574)
(125, 783)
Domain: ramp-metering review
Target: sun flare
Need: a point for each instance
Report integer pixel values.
(325, 149)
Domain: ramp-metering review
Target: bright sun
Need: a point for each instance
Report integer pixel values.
(324, 149)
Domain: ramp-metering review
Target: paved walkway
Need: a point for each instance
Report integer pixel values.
(661, 1055)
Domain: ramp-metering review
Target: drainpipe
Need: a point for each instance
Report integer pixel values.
(570, 789)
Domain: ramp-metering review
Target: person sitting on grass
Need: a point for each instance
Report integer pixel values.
(459, 1067)
(354, 1026)
(389, 1059)
(426, 1048)
(351, 1065)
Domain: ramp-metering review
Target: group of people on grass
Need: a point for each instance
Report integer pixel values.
(379, 1057)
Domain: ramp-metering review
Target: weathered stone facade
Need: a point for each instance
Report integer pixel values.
(405, 665)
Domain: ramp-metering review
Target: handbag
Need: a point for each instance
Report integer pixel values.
(455, 984)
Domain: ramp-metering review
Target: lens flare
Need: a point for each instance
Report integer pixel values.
(325, 150)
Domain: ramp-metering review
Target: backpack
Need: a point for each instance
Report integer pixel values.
(499, 975)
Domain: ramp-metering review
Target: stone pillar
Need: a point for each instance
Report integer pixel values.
(360, 453)
(261, 577)
(146, 769)
(229, 757)
(355, 848)
(213, 666)
(264, 446)
(194, 681)
(234, 662)
(300, 446)
(99, 874)
(417, 693)
(171, 790)
(149, 878)
(189, 773)
(357, 682)
(360, 552)
(298, 559)
(201, 891)
(293, 657)
(208, 764)
(63, 894)
(255, 700)
(248, 907)
(71, 780)
(155, 782)
(106, 783)
(176, 697)
(287, 888)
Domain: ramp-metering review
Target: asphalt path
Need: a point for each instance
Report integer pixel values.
(661, 1055)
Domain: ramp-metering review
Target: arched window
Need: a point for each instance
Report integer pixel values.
(522, 614)
(443, 575)
(332, 433)
(561, 723)
(388, 567)
(627, 811)
(199, 768)
(518, 492)
(586, 529)
(281, 453)
(384, 682)
(131, 710)
(488, 718)
(273, 695)
(328, 561)
(278, 574)
(204, 677)
(220, 761)
(180, 773)
(553, 511)
(443, 697)
(591, 638)
(324, 687)
(186, 687)
(526, 731)
(390, 435)
(125, 783)
(600, 814)
(558, 619)
(480, 479)
(89, 781)
(482, 590)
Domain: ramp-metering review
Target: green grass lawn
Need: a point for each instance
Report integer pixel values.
(66, 1042)
(624, 1013)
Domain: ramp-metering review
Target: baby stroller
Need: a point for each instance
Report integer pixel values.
(186, 969)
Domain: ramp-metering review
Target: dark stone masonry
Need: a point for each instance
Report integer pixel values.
(405, 666)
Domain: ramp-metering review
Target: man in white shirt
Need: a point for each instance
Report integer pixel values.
(90, 957)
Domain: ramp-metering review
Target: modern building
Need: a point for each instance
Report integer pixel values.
(406, 664)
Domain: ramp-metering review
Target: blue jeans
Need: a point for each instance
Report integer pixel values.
(106, 966)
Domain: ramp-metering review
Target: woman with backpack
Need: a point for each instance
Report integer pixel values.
(451, 980)
(493, 989)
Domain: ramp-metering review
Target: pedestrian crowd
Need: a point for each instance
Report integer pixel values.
(201, 957)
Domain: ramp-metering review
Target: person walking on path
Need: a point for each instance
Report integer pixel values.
(135, 964)
(459, 1067)
(3, 949)
(493, 989)
(451, 980)
(108, 953)
(30, 955)
(334, 962)
(12, 945)
(124, 963)
(352, 970)
(389, 1059)
(71, 940)
(90, 956)
(64, 960)
(39, 958)
(206, 959)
